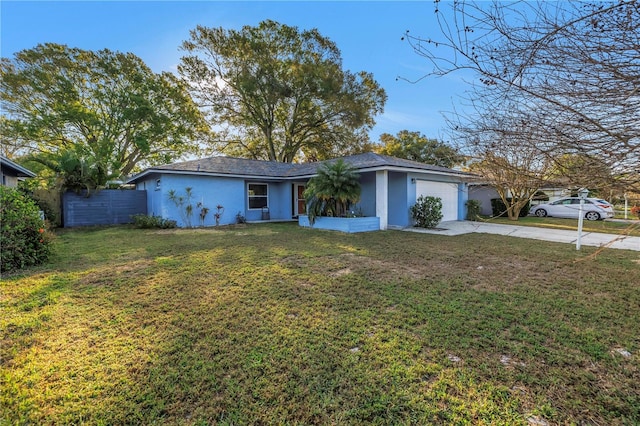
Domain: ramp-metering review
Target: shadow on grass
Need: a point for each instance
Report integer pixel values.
(272, 323)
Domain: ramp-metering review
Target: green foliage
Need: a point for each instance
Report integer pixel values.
(31, 189)
(91, 116)
(283, 93)
(25, 240)
(330, 193)
(473, 209)
(417, 147)
(427, 211)
(204, 211)
(498, 208)
(184, 204)
(144, 221)
(218, 214)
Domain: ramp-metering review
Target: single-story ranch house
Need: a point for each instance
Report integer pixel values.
(267, 190)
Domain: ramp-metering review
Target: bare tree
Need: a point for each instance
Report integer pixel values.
(569, 69)
(501, 153)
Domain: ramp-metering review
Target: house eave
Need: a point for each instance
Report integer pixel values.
(150, 172)
(20, 171)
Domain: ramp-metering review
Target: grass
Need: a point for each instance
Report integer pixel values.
(273, 324)
(631, 227)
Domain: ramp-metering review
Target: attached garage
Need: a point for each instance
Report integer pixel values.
(446, 191)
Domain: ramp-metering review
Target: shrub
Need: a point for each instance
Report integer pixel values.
(25, 240)
(499, 209)
(427, 211)
(473, 209)
(635, 210)
(43, 199)
(332, 190)
(147, 222)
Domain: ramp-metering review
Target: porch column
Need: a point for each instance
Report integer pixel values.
(382, 197)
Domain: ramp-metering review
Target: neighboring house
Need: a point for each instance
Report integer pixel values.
(485, 193)
(12, 173)
(260, 190)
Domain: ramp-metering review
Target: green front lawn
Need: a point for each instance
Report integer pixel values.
(273, 324)
(631, 227)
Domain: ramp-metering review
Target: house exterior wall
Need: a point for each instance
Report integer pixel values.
(230, 193)
(9, 180)
(11, 173)
(367, 203)
(398, 202)
(280, 201)
(484, 194)
(209, 190)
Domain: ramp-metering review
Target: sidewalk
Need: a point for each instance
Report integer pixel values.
(560, 236)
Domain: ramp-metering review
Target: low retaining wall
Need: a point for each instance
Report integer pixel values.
(343, 224)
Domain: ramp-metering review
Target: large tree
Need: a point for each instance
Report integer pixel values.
(279, 94)
(417, 147)
(98, 112)
(569, 68)
(502, 155)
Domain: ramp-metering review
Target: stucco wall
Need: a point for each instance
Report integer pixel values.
(398, 202)
(367, 203)
(231, 193)
(484, 194)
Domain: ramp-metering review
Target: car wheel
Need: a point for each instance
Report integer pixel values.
(592, 216)
(541, 212)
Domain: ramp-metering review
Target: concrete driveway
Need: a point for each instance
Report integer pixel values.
(545, 234)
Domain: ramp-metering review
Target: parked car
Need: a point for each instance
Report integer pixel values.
(593, 208)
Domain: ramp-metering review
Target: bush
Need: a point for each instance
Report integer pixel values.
(499, 209)
(473, 209)
(148, 222)
(635, 210)
(30, 189)
(25, 240)
(332, 191)
(427, 211)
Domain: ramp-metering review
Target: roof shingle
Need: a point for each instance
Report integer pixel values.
(273, 169)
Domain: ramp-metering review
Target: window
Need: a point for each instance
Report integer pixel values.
(258, 195)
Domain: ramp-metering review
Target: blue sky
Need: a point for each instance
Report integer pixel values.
(367, 32)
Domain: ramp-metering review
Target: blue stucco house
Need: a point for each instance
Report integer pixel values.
(261, 190)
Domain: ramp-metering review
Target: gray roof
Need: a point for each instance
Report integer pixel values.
(16, 168)
(272, 169)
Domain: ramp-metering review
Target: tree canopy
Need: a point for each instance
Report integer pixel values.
(278, 93)
(417, 147)
(505, 160)
(95, 115)
(571, 69)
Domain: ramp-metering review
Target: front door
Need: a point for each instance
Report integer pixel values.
(299, 204)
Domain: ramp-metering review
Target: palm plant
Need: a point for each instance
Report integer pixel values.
(332, 190)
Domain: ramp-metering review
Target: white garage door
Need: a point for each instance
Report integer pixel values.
(448, 192)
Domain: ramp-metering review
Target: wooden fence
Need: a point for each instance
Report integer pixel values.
(104, 207)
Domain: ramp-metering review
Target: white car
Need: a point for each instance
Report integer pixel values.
(593, 209)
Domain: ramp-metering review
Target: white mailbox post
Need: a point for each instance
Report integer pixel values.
(583, 193)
